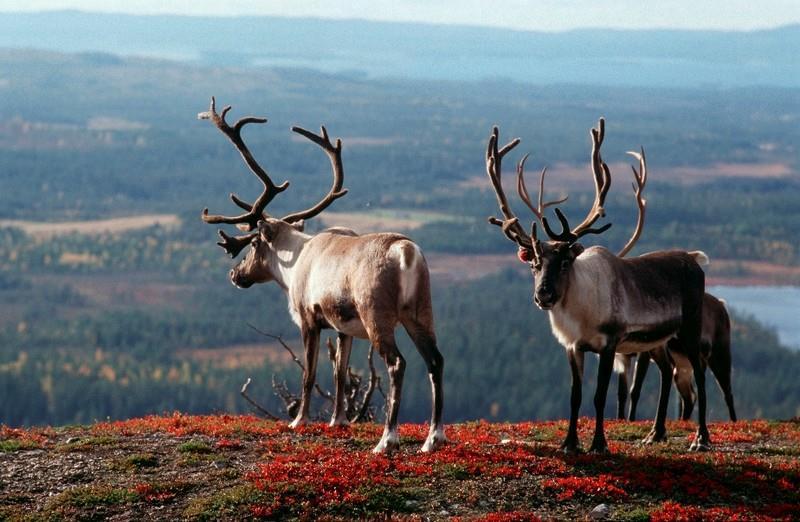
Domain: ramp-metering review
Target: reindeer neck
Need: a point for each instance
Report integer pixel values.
(587, 300)
(286, 249)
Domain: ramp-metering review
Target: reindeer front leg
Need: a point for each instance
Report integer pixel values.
(571, 444)
(344, 344)
(311, 344)
(604, 371)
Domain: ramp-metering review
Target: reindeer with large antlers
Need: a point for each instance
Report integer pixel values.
(599, 302)
(359, 285)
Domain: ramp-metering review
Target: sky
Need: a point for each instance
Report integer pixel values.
(539, 15)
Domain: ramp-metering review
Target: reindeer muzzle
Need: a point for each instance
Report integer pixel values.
(238, 281)
(544, 299)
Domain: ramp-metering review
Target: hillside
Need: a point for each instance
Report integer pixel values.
(663, 58)
(232, 468)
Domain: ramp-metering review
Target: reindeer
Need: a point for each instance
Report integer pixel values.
(359, 285)
(600, 302)
(715, 351)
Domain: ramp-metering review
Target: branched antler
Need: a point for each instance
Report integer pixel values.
(522, 190)
(510, 224)
(334, 153)
(248, 221)
(602, 184)
(639, 181)
(255, 212)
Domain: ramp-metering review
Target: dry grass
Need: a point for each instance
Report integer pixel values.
(563, 177)
(384, 220)
(93, 227)
(241, 355)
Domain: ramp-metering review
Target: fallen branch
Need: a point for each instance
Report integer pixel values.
(254, 404)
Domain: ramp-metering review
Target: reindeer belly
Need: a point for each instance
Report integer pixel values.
(340, 314)
(643, 338)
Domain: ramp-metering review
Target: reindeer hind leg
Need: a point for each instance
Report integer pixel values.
(395, 365)
(425, 341)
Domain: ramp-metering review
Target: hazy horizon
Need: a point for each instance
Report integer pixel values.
(547, 16)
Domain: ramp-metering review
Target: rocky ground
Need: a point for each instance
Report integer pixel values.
(232, 468)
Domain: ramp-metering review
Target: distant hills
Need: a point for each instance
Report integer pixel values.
(663, 58)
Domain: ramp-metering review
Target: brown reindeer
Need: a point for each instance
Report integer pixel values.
(359, 285)
(716, 353)
(602, 303)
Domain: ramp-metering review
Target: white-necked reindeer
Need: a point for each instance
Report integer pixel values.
(715, 351)
(598, 302)
(359, 285)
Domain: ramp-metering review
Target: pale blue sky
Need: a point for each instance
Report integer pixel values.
(543, 15)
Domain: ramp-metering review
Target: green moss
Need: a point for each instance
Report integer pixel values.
(91, 496)
(631, 514)
(455, 471)
(139, 461)
(87, 444)
(227, 503)
(7, 446)
(195, 446)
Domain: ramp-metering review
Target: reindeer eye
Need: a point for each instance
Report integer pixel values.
(255, 241)
(536, 266)
(565, 265)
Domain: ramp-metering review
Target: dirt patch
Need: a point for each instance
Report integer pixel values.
(242, 355)
(93, 227)
(751, 273)
(458, 267)
(563, 177)
(383, 221)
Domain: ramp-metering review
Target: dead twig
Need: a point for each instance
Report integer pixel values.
(254, 404)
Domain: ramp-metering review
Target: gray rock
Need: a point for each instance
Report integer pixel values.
(600, 512)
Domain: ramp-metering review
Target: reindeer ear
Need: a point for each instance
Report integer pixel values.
(299, 225)
(576, 249)
(267, 230)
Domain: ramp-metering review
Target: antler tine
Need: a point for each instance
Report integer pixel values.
(255, 211)
(334, 153)
(522, 190)
(602, 184)
(640, 179)
(494, 157)
(233, 245)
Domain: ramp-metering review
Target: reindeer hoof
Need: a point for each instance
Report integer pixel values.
(655, 436)
(599, 447)
(571, 447)
(435, 440)
(299, 421)
(387, 445)
(338, 422)
(698, 445)
(702, 442)
(386, 448)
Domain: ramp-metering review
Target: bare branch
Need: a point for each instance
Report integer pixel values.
(254, 404)
(374, 381)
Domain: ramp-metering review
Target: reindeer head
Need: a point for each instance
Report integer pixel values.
(552, 261)
(266, 231)
(273, 236)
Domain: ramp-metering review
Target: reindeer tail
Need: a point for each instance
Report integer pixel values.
(701, 257)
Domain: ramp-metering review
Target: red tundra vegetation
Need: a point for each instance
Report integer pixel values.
(231, 467)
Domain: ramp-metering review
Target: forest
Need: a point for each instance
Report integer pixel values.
(116, 324)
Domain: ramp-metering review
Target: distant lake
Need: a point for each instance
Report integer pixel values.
(774, 306)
